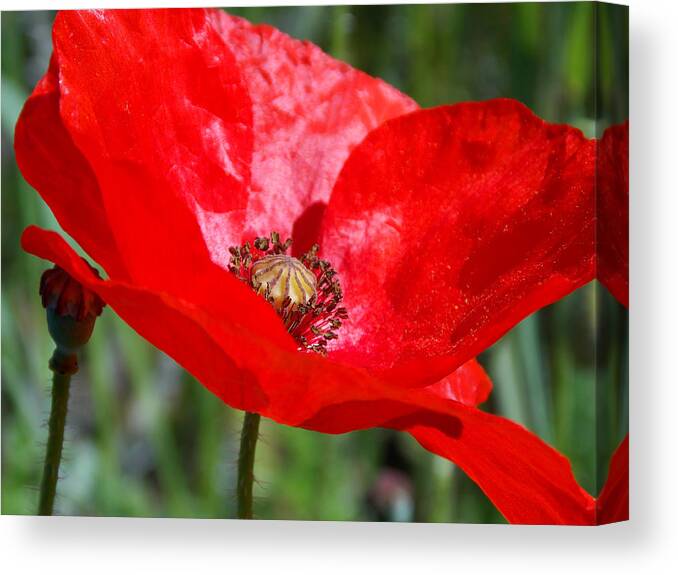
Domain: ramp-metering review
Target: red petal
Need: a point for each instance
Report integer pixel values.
(527, 480)
(153, 101)
(309, 111)
(143, 309)
(448, 226)
(228, 353)
(224, 351)
(613, 502)
(191, 178)
(469, 385)
(613, 211)
(52, 164)
(155, 182)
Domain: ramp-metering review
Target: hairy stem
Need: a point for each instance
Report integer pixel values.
(248, 446)
(57, 421)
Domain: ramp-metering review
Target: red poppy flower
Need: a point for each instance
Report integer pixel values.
(162, 139)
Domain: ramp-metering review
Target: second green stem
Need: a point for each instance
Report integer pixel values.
(248, 446)
(57, 421)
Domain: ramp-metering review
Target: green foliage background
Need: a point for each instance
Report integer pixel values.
(145, 439)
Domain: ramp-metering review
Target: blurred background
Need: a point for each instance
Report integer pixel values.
(145, 439)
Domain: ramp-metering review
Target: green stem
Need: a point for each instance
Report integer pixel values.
(248, 445)
(57, 421)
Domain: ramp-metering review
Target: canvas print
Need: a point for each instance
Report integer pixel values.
(349, 263)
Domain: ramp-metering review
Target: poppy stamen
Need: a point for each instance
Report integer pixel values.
(305, 291)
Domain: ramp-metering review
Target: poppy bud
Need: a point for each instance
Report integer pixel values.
(71, 313)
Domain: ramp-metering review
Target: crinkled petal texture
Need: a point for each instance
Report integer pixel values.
(450, 225)
(146, 118)
(613, 211)
(309, 111)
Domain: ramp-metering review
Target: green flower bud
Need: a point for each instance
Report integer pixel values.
(71, 313)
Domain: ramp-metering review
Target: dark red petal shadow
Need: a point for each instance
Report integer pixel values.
(613, 501)
(305, 390)
(613, 211)
(448, 226)
(309, 111)
(528, 481)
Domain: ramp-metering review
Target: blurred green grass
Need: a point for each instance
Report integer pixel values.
(145, 439)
